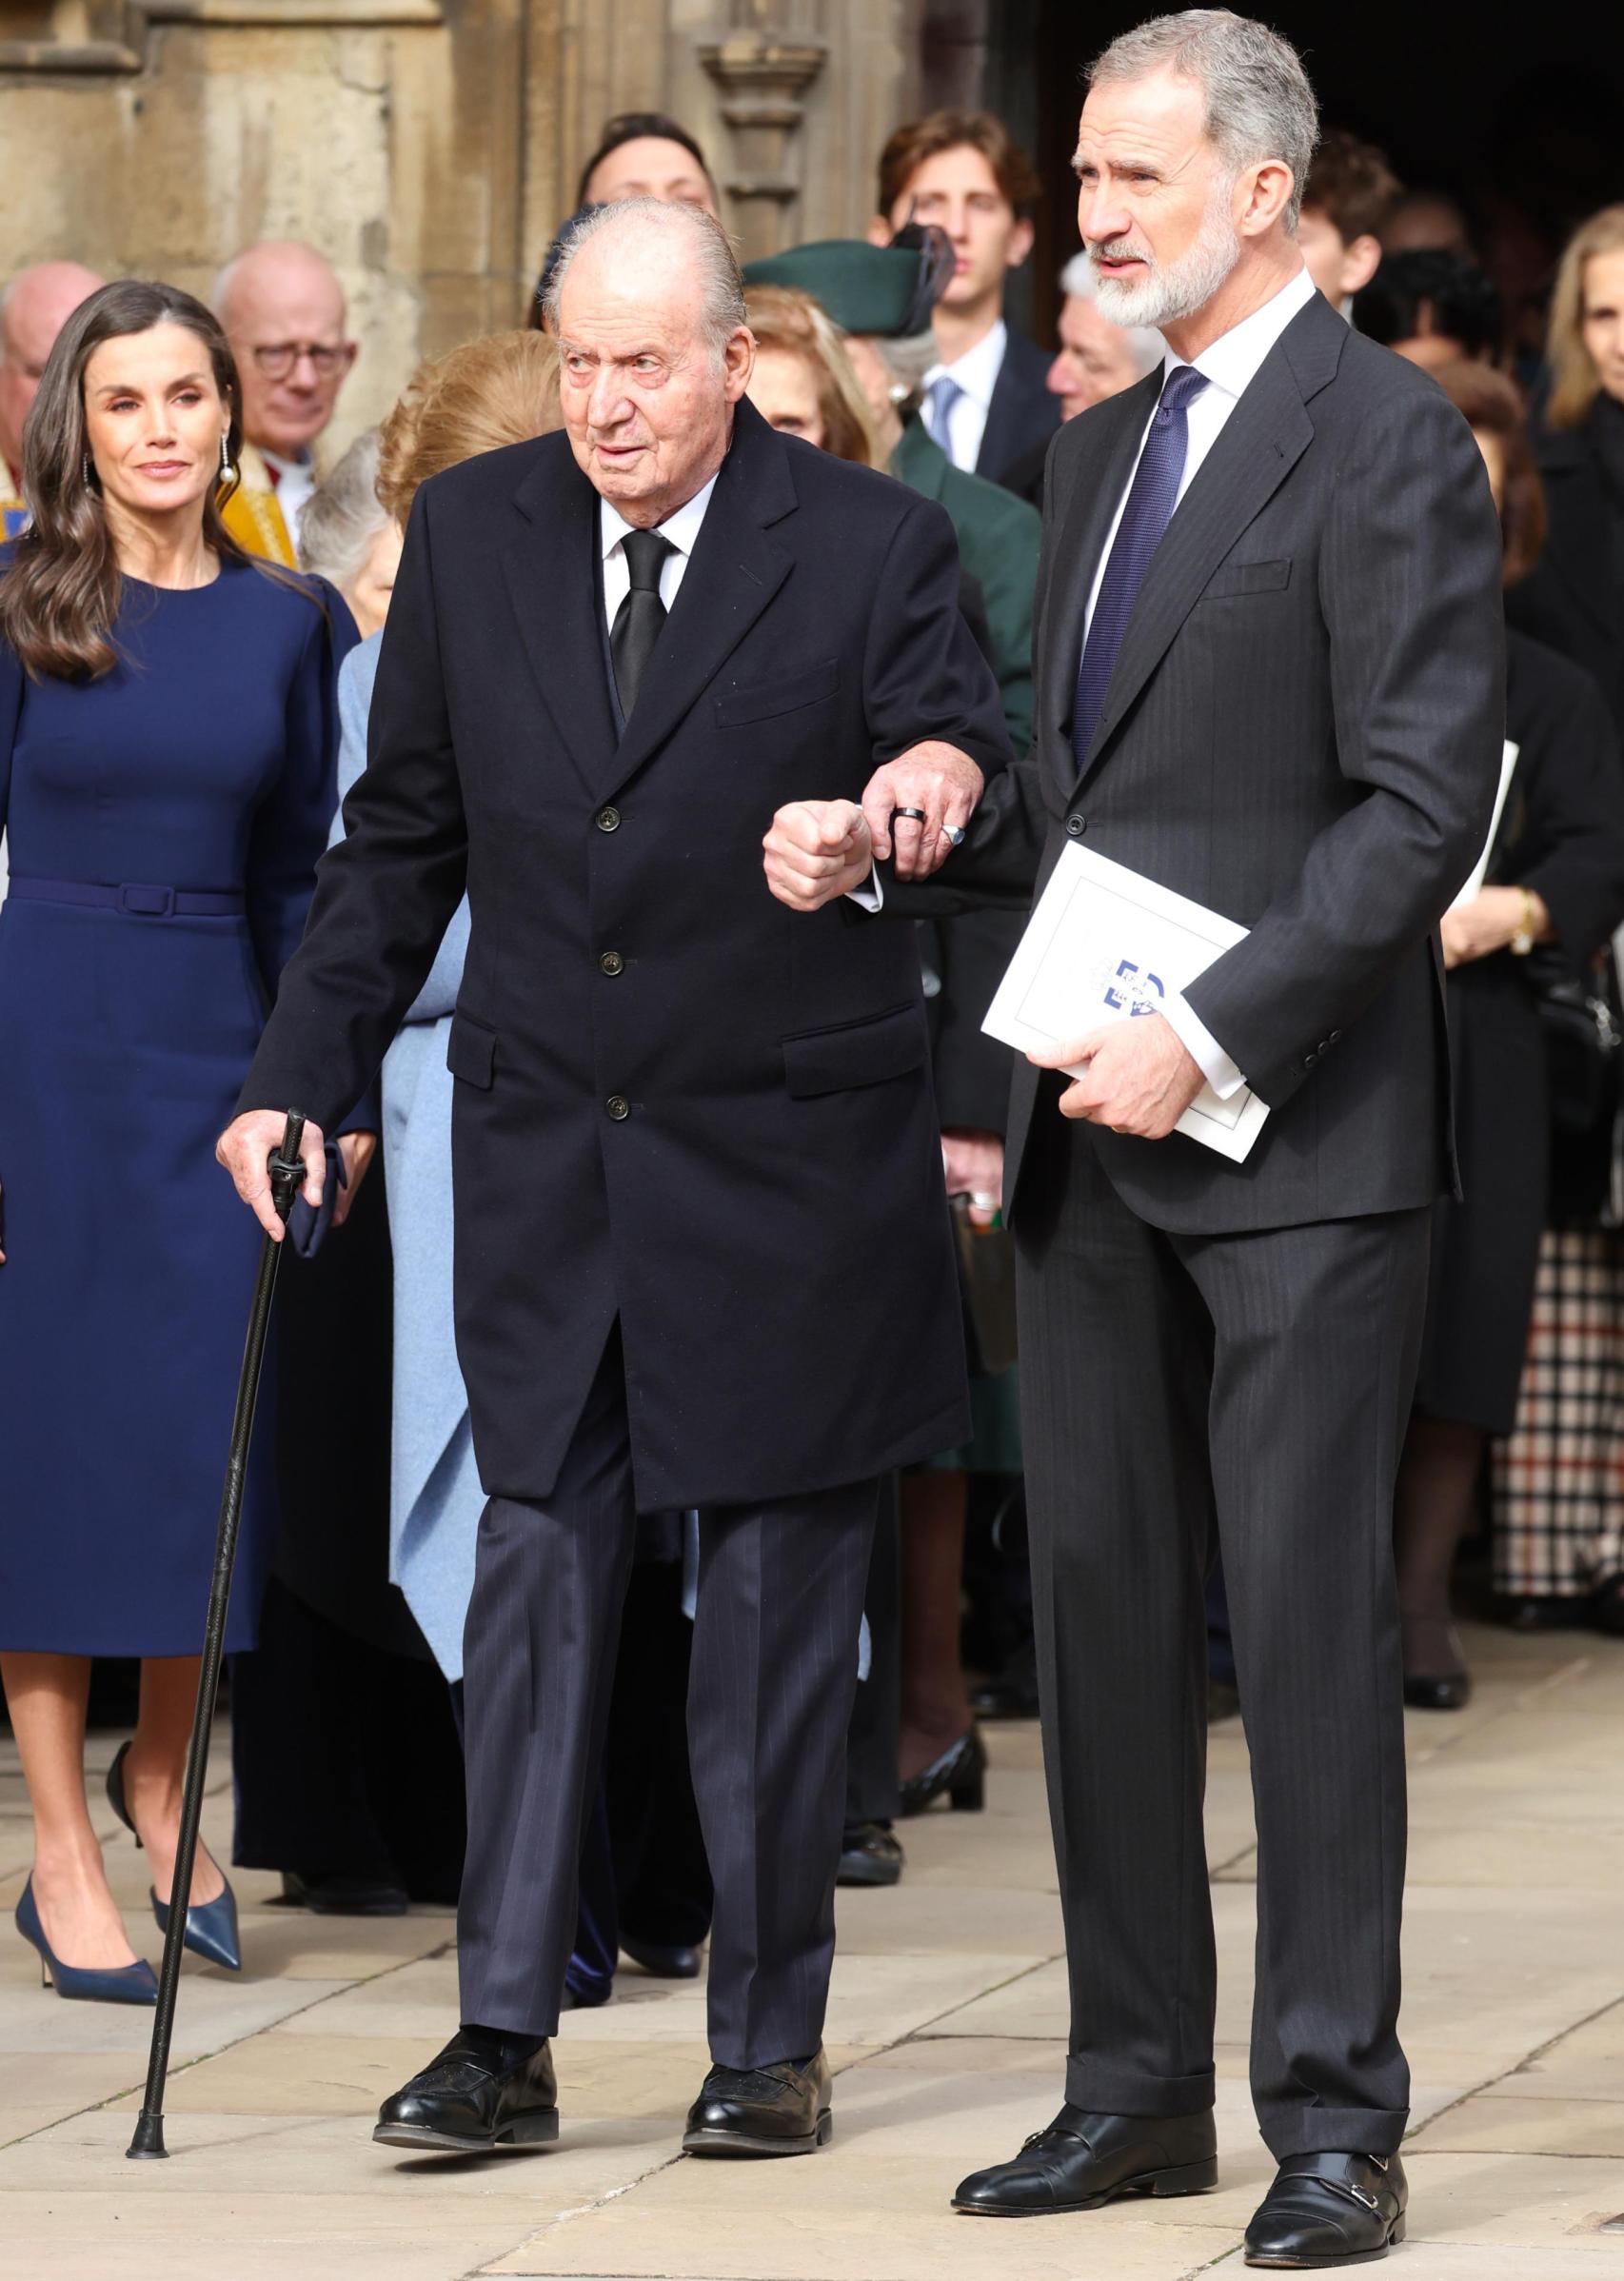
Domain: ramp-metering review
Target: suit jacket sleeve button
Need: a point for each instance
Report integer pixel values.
(608, 819)
(619, 1108)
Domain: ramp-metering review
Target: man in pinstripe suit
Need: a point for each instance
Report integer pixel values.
(1269, 676)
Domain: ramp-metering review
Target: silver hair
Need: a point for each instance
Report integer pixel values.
(907, 360)
(1144, 345)
(344, 515)
(722, 288)
(1260, 103)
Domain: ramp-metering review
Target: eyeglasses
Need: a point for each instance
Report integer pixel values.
(278, 360)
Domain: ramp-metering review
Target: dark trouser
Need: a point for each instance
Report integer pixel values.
(774, 1667)
(662, 1878)
(877, 1714)
(1258, 1384)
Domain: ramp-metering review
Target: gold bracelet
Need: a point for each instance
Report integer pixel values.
(1522, 941)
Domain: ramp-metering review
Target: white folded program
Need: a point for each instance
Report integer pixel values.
(1106, 944)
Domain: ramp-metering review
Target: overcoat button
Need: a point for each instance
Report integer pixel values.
(612, 963)
(608, 819)
(1077, 826)
(619, 1108)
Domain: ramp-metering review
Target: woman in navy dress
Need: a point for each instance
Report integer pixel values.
(167, 740)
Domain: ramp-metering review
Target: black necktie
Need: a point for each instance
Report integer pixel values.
(640, 617)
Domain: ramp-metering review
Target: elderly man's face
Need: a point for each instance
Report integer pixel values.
(1155, 200)
(648, 401)
(41, 303)
(1095, 360)
(285, 320)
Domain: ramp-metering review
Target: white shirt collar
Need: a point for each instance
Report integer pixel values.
(1233, 361)
(978, 369)
(680, 530)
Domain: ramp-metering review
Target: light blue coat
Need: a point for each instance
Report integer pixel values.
(435, 1497)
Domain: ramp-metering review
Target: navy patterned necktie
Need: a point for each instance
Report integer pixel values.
(1151, 501)
(641, 618)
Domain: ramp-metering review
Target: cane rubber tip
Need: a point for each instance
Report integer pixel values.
(148, 2144)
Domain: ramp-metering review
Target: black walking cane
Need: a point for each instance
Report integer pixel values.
(286, 1172)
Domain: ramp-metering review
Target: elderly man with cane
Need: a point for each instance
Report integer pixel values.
(703, 1253)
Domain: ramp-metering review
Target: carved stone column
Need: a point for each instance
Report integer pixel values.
(763, 75)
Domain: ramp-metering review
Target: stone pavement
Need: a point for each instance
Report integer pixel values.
(946, 2031)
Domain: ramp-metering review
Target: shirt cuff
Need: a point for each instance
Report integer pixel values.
(1202, 1047)
(871, 895)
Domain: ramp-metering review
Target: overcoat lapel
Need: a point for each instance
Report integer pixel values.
(734, 572)
(552, 583)
(1261, 440)
(1099, 486)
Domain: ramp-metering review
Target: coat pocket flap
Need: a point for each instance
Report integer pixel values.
(470, 1050)
(1247, 578)
(859, 1053)
(760, 700)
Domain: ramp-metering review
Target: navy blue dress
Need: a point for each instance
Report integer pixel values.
(205, 762)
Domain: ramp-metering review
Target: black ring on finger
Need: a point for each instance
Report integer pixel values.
(918, 814)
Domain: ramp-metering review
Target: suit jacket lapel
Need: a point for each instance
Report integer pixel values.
(552, 583)
(1261, 440)
(1099, 486)
(735, 570)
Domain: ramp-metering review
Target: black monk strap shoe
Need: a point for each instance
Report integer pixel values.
(466, 2099)
(1082, 2161)
(1327, 2209)
(778, 2109)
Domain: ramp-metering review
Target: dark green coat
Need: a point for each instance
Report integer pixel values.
(998, 544)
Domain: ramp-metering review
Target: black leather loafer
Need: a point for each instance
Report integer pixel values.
(870, 1854)
(1082, 2161)
(464, 2100)
(362, 1896)
(665, 1960)
(1326, 2210)
(1440, 1691)
(777, 2110)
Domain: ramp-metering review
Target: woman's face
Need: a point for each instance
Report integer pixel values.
(783, 389)
(369, 592)
(1603, 322)
(154, 422)
(1494, 460)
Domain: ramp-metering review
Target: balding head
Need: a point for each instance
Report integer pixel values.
(648, 308)
(276, 298)
(33, 308)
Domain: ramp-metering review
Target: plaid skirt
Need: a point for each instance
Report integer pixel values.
(1558, 1481)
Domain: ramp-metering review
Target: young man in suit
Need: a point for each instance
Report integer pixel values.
(703, 1253)
(1270, 677)
(985, 399)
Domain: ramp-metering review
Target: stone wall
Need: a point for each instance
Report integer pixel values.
(428, 147)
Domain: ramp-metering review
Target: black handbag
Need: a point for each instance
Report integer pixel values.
(1580, 1019)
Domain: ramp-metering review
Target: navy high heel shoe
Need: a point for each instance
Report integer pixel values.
(125, 1983)
(210, 1926)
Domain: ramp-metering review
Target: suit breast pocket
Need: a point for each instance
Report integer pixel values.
(765, 699)
(1237, 579)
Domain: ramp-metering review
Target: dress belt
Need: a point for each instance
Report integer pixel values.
(137, 902)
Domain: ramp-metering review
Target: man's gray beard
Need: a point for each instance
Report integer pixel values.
(1184, 285)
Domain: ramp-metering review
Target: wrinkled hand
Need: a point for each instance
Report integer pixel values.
(1139, 1077)
(356, 1151)
(1486, 924)
(940, 779)
(816, 851)
(246, 1148)
(973, 1163)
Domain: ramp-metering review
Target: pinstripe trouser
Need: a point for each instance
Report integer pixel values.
(1249, 1390)
(769, 1696)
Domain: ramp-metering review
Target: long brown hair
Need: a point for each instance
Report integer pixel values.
(1576, 382)
(60, 597)
(500, 389)
(785, 318)
(1491, 407)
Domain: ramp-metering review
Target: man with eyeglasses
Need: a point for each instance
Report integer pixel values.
(283, 313)
(34, 307)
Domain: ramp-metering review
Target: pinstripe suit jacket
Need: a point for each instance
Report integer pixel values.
(1303, 731)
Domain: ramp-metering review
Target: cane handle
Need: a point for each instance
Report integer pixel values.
(287, 1168)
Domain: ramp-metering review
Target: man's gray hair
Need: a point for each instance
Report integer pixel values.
(344, 515)
(1259, 103)
(1145, 345)
(722, 288)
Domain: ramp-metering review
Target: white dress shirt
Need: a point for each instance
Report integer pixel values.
(681, 531)
(1229, 365)
(295, 484)
(977, 373)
